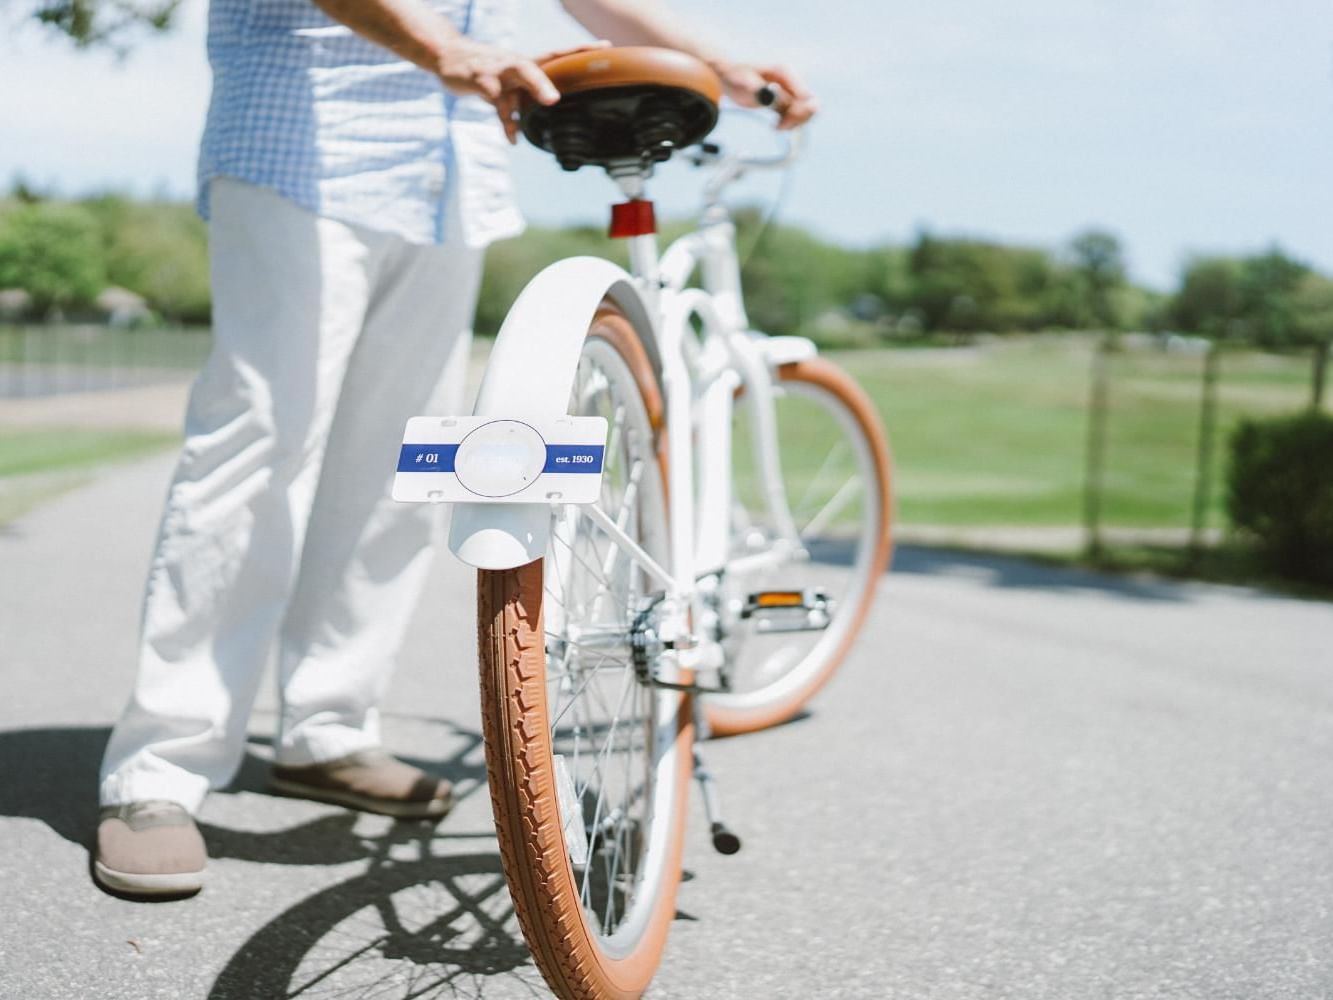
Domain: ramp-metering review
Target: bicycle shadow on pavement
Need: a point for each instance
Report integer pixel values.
(427, 914)
(436, 926)
(421, 920)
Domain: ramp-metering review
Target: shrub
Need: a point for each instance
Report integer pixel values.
(1280, 490)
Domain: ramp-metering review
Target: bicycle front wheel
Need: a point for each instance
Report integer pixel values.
(589, 766)
(835, 472)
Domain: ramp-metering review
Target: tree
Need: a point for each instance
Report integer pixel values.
(1243, 298)
(54, 252)
(1268, 285)
(1210, 300)
(973, 285)
(159, 250)
(105, 22)
(1099, 264)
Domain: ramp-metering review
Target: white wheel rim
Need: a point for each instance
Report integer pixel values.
(860, 577)
(591, 588)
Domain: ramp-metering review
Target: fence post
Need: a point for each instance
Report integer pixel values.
(1203, 469)
(1098, 409)
(1320, 371)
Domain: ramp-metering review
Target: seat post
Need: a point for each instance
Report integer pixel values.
(634, 221)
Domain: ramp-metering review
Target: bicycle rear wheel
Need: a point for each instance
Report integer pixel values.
(836, 473)
(588, 766)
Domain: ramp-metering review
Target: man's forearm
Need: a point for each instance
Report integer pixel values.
(627, 23)
(411, 30)
(408, 28)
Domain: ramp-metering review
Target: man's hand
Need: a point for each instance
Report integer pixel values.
(501, 76)
(627, 22)
(496, 74)
(743, 83)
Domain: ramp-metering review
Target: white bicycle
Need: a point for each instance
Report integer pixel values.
(679, 525)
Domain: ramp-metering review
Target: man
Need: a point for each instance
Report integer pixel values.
(352, 170)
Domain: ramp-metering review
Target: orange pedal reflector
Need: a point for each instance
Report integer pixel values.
(778, 599)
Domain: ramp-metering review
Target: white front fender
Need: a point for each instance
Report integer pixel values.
(530, 374)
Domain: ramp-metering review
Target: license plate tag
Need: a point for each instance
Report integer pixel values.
(501, 460)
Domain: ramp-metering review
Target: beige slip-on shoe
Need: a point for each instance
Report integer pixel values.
(149, 849)
(369, 780)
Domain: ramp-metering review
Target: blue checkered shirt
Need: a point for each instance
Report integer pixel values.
(340, 126)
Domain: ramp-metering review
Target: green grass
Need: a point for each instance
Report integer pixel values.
(28, 452)
(37, 465)
(996, 435)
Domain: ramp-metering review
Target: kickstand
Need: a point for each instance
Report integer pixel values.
(724, 841)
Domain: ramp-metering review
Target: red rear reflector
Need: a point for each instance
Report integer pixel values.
(632, 218)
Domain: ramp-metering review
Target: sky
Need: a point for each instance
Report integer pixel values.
(1184, 126)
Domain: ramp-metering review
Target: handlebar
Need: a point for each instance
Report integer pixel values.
(730, 167)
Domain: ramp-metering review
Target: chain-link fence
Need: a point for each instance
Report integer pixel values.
(51, 359)
(1060, 441)
(1161, 412)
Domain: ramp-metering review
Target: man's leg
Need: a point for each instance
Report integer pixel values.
(366, 555)
(290, 292)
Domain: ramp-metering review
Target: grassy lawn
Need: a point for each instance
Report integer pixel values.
(996, 435)
(38, 464)
(25, 452)
(982, 436)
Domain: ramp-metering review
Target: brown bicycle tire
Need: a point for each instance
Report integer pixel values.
(520, 769)
(731, 721)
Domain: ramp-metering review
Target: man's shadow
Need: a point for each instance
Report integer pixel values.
(51, 775)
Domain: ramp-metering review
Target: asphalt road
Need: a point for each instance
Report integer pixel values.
(1025, 783)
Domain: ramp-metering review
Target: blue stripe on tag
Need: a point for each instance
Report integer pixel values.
(427, 458)
(573, 458)
(563, 458)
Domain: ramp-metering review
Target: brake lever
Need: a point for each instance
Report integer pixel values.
(707, 153)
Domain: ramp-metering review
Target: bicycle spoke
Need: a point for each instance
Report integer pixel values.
(835, 452)
(846, 492)
(600, 716)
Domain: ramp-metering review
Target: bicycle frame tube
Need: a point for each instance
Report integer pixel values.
(726, 361)
(532, 368)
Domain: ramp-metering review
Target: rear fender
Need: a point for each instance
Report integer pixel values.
(530, 375)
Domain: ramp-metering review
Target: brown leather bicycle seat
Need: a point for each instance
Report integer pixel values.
(634, 65)
(620, 105)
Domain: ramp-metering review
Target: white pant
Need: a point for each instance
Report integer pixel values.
(279, 531)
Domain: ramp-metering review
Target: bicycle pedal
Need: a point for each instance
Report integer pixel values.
(789, 610)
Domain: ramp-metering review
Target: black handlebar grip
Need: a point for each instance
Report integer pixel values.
(773, 97)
